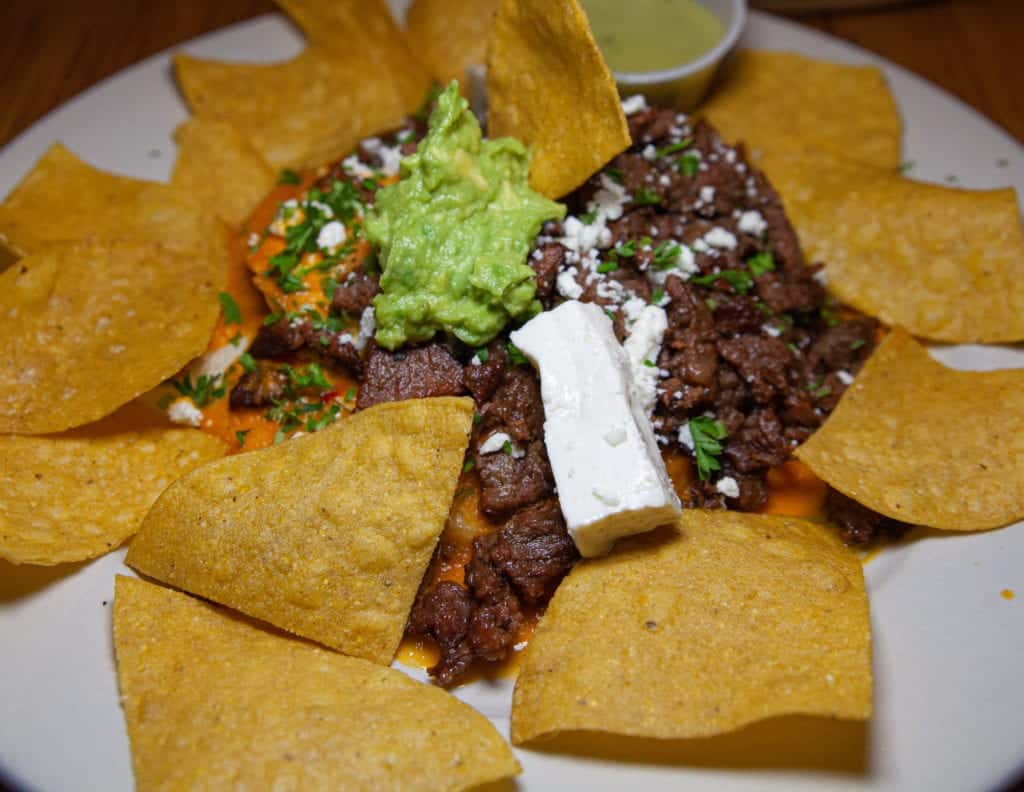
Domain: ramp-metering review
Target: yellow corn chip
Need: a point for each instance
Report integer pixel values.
(326, 536)
(220, 169)
(87, 327)
(726, 619)
(945, 263)
(925, 444)
(549, 86)
(449, 35)
(64, 199)
(779, 102)
(77, 495)
(214, 702)
(314, 108)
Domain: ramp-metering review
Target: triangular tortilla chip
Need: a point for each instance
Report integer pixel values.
(699, 629)
(549, 86)
(221, 169)
(80, 494)
(326, 536)
(356, 77)
(946, 263)
(214, 702)
(779, 102)
(89, 326)
(916, 441)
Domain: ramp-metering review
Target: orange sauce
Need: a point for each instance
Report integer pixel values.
(1007, 594)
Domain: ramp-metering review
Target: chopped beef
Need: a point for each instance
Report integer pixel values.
(281, 338)
(443, 613)
(286, 336)
(483, 377)
(338, 349)
(844, 347)
(533, 551)
(356, 294)
(260, 387)
(545, 262)
(759, 444)
(762, 361)
(859, 525)
(414, 373)
(516, 407)
(508, 482)
(494, 626)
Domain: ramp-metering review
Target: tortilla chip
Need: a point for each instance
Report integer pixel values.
(355, 78)
(220, 169)
(449, 35)
(326, 536)
(89, 326)
(80, 494)
(64, 199)
(214, 702)
(946, 263)
(779, 102)
(550, 87)
(726, 619)
(925, 444)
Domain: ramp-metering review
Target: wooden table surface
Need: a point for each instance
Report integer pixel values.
(55, 48)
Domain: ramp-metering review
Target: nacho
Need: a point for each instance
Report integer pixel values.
(89, 326)
(80, 494)
(450, 35)
(699, 629)
(916, 441)
(546, 50)
(356, 77)
(220, 169)
(945, 263)
(780, 102)
(326, 536)
(213, 702)
(64, 199)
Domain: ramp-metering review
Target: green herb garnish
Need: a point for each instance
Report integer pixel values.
(232, 313)
(203, 390)
(607, 266)
(646, 197)
(514, 354)
(760, 264)
(706, 432)
(688, 164)
(674, 147)
(288, 176)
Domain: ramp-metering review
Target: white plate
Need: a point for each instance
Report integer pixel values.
(948, 647)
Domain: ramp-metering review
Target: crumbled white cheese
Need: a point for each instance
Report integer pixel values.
(475, 361)
(357, 168)
(752, 222)
(642, 347)
(727, 486)
(332, 236)
(649, 153)
(707, 193)
(685, 435)
(567, 284)
(390, 156)
(288, 214)
(720, 238)
(845, 377)
(634, 104)
(497, 442)
(367, 327)
(771, 330)
(184, 411)
(216, 362)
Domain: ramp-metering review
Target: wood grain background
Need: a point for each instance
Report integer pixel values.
(53, 49)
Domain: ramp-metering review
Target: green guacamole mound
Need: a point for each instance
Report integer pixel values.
(455, 232)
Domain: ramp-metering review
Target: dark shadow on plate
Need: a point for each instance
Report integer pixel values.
(792, 742)
(21, 580)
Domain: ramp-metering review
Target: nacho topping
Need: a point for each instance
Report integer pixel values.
(549, 87)
(720, 621)
(454, 234)
(193, 679)
(327, 536)
(884, 446)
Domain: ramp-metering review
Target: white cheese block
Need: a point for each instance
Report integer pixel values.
(611, 478)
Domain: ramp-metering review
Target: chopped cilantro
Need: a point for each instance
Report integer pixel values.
(370, 184)
(588, 218)
(240, 436)
(272, 318)
(674, 147)
(204, 390)
(666, 254)
(793, 347)
(246, 361)
(514, 354)
(650, 363)
(646, 197)
(468, 465)
(506, 448)
(829, 316)
(312, 377)
(325, 419)
(657, 295)
(609, 313)
(688, 164)
(763, 308)
(350, 394)
(740, 281)
(614, 174)
(280, 436)
(857, 344)
(822, 392)
(760, 264)
(232, 313)
(288, 176)
(607, 266)
(706, 432)
(626, 250)
(711, 303)
(482, 354)
(477, 418)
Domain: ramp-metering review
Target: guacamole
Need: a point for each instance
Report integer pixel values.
(455, 232)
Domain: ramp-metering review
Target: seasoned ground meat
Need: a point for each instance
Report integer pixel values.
(414, 373)
(858, 525)
(356, 294)
(260, 387)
